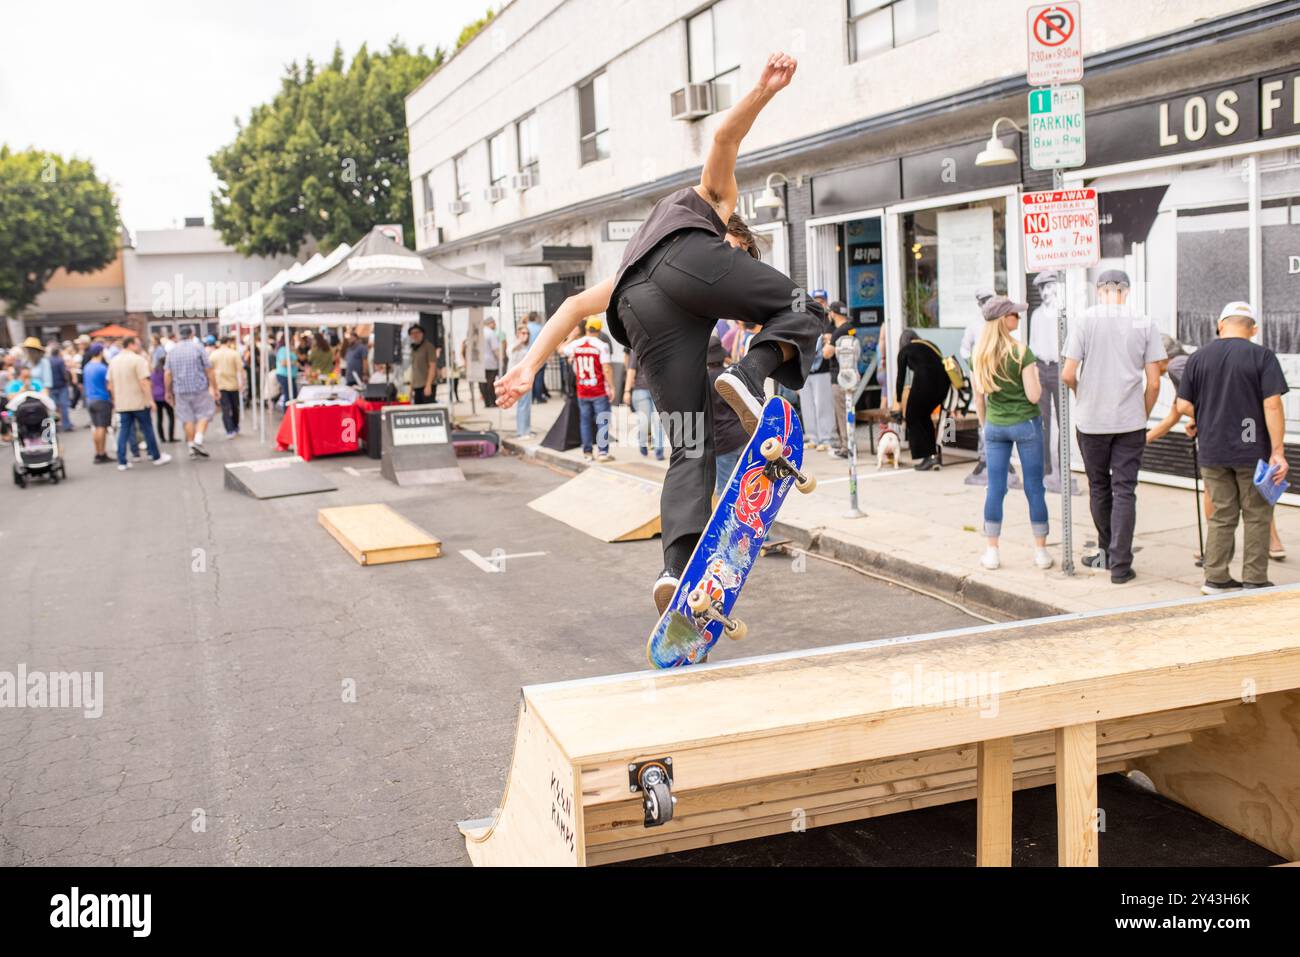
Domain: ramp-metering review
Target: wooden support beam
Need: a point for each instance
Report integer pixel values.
(1076, 796)
(993, 803)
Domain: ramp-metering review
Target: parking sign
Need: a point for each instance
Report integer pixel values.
(1061, 229)
(1055, 33)
(1056, 136)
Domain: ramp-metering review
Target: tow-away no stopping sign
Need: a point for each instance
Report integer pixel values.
(1055, 43)
(1060, 229)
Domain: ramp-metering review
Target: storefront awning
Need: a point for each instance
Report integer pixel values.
(550, 256)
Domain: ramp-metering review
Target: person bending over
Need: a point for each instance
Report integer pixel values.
(679, 275)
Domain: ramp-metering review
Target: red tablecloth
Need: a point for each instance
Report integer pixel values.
(322, 430)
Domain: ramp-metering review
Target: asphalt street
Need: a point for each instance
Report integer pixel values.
(229, 630)
(268, 701)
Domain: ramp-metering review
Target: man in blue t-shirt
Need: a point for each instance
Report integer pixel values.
(99, 401)
(1233, 390)
(60, 385)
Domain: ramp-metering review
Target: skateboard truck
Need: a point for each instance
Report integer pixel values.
(703, 606)
(653, 780)
(779, 466)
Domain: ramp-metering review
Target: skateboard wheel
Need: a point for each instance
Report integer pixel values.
(697, 600)
(770, 449)
(736, 630)
(806, 484)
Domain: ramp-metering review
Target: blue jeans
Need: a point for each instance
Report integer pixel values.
(61, 401)
(595, 423)
(1027, 437)
(128, 421)
(524, 414)
(647, 419)
(726, 464)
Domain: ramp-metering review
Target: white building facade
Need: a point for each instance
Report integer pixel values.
(181, 277)
(541, 145)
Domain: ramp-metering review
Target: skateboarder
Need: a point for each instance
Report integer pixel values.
(680, 273)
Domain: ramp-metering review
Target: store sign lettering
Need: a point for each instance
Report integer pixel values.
(1195, 118)
(1293, 265)
(1241, 112)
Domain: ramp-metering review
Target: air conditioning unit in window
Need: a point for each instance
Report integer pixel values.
(457, 206)
(692, 101)
(494, 193)
(429, 230)
(523, 181)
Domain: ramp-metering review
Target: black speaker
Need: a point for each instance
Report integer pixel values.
(553, 296)
(431, 323)
(388, 343)
(379, 392)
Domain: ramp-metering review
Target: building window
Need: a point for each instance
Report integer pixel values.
(948, 255)
(577, 280)
(713, 46)
(497, 165)
(526, 142)
(460, 167)
(879, 25)
(426, 191)
(593, 118)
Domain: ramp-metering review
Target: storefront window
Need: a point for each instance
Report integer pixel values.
(948, 255)
(1279, 218)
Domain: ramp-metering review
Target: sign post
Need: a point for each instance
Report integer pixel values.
(1059, 228)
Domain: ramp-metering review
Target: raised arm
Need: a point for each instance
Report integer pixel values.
(718, 178)
(571, 312)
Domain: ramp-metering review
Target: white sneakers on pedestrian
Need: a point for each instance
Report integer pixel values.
(124, 466)
(993, 561)
(162, 459)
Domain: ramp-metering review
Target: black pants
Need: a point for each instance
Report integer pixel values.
(669, 303)
(1112, 461)
(420, 397)
(162, 406)
(230, 409)
(487, 388)
(920, 427)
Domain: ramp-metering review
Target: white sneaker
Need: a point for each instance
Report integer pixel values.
(990, 559)
(162, 459)
(1043, 558)
(123, 467)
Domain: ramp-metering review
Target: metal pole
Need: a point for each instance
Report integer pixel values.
(261, 372)
(1063, 426)
(850, 420)
(290, 358)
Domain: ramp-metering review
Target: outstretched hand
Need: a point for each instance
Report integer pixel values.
(777, 73)
(511, 386)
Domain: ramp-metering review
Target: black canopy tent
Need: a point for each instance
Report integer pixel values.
(379, 274)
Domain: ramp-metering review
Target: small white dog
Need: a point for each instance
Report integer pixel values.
(887, 447)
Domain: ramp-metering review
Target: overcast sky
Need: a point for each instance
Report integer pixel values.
(148, 89)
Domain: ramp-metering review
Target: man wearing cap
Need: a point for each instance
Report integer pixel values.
(1112, 362)
(1233, 388)
(590, 359)
(1043, 341)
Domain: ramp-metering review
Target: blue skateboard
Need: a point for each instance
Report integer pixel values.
(700, 610)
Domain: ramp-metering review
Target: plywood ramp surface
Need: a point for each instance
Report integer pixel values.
(855, 731)
(376, 535)
(610, 504)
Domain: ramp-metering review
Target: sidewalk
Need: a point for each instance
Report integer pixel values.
(924, 528)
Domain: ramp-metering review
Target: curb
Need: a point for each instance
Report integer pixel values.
(959, 588)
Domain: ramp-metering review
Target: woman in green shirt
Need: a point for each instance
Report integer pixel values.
(1006, 400)
(321, 359)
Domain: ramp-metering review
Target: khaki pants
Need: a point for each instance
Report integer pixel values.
(838, 398)
(1233, 493)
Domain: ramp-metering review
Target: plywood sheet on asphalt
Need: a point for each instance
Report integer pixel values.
(607, 504)
(376, 535)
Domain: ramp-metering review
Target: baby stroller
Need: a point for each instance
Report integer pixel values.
(35, 441)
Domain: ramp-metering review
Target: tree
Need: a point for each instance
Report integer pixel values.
(471, 30)
(54, 213)
(325, 159)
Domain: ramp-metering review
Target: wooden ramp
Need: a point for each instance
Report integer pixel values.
(1201, 695)
(611, 503)
(376, 535)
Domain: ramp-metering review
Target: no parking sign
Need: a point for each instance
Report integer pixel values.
(1055, 33)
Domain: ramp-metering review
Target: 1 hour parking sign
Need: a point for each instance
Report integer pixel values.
(1060, 229)
(1055, 43)
(1056, 139)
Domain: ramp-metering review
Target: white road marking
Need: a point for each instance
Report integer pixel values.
(495, 563)
(357, 473)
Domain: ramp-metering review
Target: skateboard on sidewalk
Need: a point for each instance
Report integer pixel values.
(700, 610)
